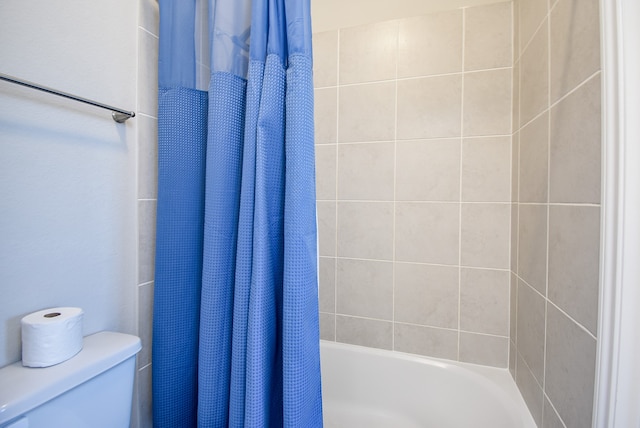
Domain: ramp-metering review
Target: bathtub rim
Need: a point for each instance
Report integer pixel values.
(499, 379)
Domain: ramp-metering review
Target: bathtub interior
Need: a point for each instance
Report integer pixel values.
(364, 387)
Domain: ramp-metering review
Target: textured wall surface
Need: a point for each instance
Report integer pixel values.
(413, 155)
(556, 208)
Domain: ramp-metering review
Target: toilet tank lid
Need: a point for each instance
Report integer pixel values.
(24, 388)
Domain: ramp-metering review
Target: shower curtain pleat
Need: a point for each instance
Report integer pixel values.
(236, 339)
(182, 131)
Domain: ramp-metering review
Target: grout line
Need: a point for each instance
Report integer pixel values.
(575, 89)
(530, 372)
(533, 119)
(371, 201)
(419, 140)
(566, 204)
(555, 306)
(464, 14)
(402, 79)
(559, 100)
(534, 289)
(148, 32)
(511, 189)
(144, 367)
(535, 32)
(583, 328)
(363, 317)
(417, 263)
(337, 135)
(534, 204)
(147, 115)
(544, 395)
(546, 292)
(485, 334)
(420, 325)
(395, 170)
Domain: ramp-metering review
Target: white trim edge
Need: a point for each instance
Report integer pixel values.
(618, 372)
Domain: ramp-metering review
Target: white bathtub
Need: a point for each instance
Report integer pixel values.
(372, 388)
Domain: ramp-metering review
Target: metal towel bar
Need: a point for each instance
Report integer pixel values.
(117, 114)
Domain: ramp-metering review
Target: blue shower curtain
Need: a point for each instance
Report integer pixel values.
(236, 337)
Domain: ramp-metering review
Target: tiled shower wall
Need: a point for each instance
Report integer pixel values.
(146, 115)
(556, 209)
(413, 159)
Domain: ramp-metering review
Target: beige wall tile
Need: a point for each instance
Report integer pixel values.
(203, 49)
(534, 160)
(365, 230)
(366, 171)
(146, 240)
(145, 323)
(570, 369)
(512, 359)
(487, 102)
(531, 14)
(147, 73)
(516, 29)
(325, 59)
(147, 157)
(326, 115)
(364, 332)
(145, 398)
(428, 170)
(430, 44)
(367, 112)
(575, 161)
(327, 292)
(513, 307)
(485, 235)
(327, 326)
(426, 295)
(203, 77)
(484, 303)
(530, 329)
(534, 77)
(574, 255)
(149, 16)
(326, 171)
(515, 167)
(486, 169)
(429, 107)
(515, 95)
(532, 245)
(550, 417)
(365, 288)
(514, 238)
(327, 227)
(483, 349)
(427, 232)
(575, 44)
(531, 391)
(432, 342)
(368, 52)
(487, 36)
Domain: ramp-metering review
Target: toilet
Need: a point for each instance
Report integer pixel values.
(92, 389)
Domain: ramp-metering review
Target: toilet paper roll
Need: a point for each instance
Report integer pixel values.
(51, 336)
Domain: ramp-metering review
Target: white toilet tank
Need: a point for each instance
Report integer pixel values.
(92, 389)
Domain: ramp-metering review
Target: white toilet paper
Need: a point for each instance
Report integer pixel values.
(51, 336)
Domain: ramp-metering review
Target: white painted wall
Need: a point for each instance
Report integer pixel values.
(334, 14)
(67, 170)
